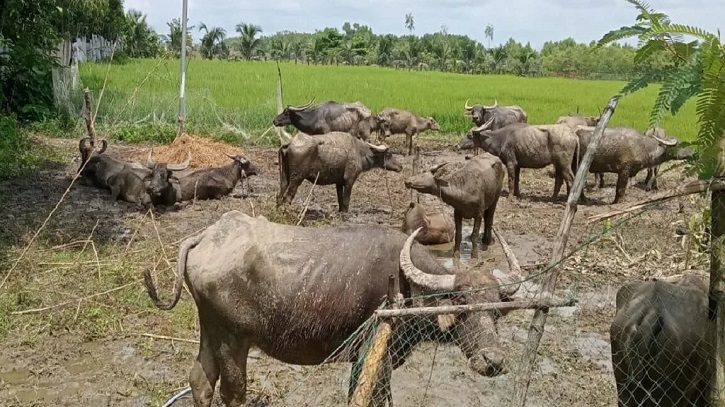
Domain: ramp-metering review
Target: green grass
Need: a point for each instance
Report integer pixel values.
(236, 100)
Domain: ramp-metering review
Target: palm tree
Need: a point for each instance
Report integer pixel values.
(174, 38)
(488, 32)
(409, 22)
(212, 43)
(250, 42)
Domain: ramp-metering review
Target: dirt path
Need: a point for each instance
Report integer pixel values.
(92, 351)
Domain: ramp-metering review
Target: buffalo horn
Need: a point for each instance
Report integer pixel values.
(104, 144)
(149, 161)
(445, 282)
(181, 166)
(303, 107)
(467, 107)
(511, 282)
(483, 127)
(664, 142)
(495, 103)
(381, 148)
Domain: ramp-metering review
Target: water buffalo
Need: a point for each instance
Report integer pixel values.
(85, 148)
(626, 151)
(501, 116)
(660, 351)
(397, 121)
(520, 145)
(578, 120)
(298, 293)
(338, 158)
(354, 118)
(130, 187)
(472, 190)
(437, 228)
(213, 183)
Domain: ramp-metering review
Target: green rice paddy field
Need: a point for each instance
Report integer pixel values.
(239, 98)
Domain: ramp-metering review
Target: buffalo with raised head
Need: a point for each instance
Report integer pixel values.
(520, 145)
(298, 293)
(472, 189)
(659, 345)
(215, 182)
(499, 116)
(354, 118)
(333, 158)
(437, 228)
(626, 151)
(397, 121)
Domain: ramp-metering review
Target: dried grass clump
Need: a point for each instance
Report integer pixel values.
(205, 151)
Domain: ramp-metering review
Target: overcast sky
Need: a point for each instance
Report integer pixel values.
(534, 21)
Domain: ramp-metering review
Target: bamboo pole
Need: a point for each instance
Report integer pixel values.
(536, 329)
(453, 309)
(376, 355)
(716, 313)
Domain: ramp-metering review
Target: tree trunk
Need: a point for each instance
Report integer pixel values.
(716, 313)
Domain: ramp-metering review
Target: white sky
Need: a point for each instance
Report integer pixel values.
(534, 21)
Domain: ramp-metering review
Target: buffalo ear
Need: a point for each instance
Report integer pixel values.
(441, 182)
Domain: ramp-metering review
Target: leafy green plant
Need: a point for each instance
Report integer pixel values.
(696, 69)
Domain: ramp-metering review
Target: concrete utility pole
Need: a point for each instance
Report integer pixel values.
(182, 104)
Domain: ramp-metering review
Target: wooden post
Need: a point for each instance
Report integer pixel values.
(716, 312)
(536, 329)
(376, 355)
(87, 117)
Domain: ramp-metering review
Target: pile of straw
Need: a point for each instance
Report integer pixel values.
(205, 152)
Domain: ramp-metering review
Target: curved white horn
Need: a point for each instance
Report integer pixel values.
(483, 127)
(466, 106)
(303, 107)
(664, 142)
(512, 281)
(495, 104)
(445, 282)
(381, 148)
(181, 166)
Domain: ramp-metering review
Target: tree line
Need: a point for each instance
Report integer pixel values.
(357, 44)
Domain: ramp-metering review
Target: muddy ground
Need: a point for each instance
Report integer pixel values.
(88, 335)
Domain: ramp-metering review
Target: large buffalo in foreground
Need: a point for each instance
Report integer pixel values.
(215, 182)
(354, 118)
(500, 116)
(472, 190)
(397, 121)
(520, 145)
(660, 351)
(298, 293)
(338, 158)
(626, 151)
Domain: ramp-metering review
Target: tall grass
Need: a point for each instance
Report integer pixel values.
(239, 97)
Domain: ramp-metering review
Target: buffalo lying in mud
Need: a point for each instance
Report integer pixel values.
(354, 118)
(338, 158)
(500, 116)
(396, 121)
(85, 148)
(626, 151)
(215, 182)
(437, 228)
(130, 187)
(660, 350)
(298, 293)
(472, 190)
(521, 145)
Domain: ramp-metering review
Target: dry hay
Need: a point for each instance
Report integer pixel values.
(205, 151)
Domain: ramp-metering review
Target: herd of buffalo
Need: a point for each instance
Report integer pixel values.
(298, 293)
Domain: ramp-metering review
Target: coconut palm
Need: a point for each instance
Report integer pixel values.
(212, 43)
(250, 42)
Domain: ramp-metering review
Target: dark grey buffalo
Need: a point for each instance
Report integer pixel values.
(130, 187)
(501, 115)
(520, 145)
(338, 158)
(472, 190)
(215, 182)
(397, 121)
(354, 118)
(626, 151)
(660, 351)
(86, 149)
(298, 293)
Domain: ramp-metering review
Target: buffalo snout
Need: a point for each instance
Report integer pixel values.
(392, 164)
(466, 143)
(282, 119)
